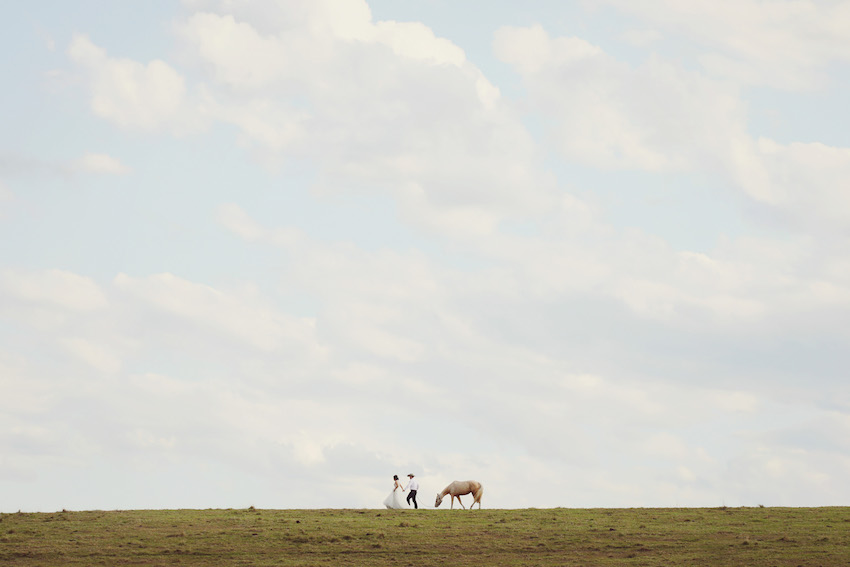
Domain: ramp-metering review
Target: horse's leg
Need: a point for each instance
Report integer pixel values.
(461, 503)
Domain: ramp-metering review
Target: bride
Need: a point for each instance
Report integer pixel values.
(394, 500)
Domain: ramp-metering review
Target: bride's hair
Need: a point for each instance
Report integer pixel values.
(395, 477)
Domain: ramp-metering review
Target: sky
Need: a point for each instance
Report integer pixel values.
(270, 253)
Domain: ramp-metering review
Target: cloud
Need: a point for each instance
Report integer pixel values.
(405, 113)
(511, 327)
(531, 50)
(96, 355)
(641, 37)
(131, 94)
(100, 163)
(660, 117)
(256, 325)
(769, 474)
(745, 288)
(658, 334)
(656, 117)
(268, 28)
(25, 392)
(382, 354)
(233, 218)
(237, 221)
(386, 105)
(784, 44)
(56, 288)
(805, 181)
(416, 41)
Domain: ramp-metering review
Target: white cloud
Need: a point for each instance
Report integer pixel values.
(233, 218)
(96, 355)
(655, 117)
(735, 401)
(56, 288)
(272, 125)
(738, 292)
(269, 27)
(416, 41)
(237, 221)
(785, 44)
(100, 163)
(532, 51)
(504, 320)
(769, 475)
(404, 111)
(24, 392)
(666, 446)
(239, 317)
(131, 94)
(807, 182)
(740, 288)
(239, 55)
(659, 117)
(385, 105)
(400, 325)
(641, 37)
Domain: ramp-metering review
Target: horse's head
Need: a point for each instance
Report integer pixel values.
(438, 502)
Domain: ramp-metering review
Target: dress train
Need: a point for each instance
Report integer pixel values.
(394, 501)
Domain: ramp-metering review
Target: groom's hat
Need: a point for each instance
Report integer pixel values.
(411, 474)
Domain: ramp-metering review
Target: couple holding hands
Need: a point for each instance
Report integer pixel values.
(394, 501)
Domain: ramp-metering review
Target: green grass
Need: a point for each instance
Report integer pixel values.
(643, 536)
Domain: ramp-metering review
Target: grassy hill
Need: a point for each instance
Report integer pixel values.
(642, 536)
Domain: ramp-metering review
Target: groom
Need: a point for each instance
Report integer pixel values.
(412, 487)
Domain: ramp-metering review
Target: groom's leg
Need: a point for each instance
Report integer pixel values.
(413, 495)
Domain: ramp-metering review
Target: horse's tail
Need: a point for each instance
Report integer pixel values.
(478, 494)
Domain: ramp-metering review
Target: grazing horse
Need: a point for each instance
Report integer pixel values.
(460, 487)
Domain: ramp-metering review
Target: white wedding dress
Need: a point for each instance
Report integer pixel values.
(395, 501)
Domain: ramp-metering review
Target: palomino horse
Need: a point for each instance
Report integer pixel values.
(460, 487)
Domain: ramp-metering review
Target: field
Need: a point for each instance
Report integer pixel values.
(642, 536)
